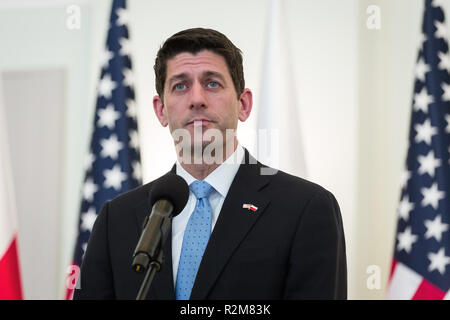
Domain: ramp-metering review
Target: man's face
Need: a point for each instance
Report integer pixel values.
(199, 93)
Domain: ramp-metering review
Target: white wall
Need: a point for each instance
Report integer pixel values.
(354, 90)
(35, 117)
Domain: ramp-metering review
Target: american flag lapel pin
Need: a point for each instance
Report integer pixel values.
(249, 206)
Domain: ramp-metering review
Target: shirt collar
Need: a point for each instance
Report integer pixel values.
(222, 177)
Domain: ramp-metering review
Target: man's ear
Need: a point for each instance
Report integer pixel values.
(158, 107)
(245, 104)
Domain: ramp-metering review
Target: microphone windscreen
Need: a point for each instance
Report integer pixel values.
(173, 188)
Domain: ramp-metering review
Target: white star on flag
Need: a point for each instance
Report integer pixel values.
(406, 175)
(107, 117)
(446, 95)
(122, 16)
(428, 164)
(447, 118)
(422, 100)
(438, 261)
(405, 240)
(131, 109)
(134, 139)
(89, 188)
(106, 86)
(114, 177)
(105, 57)
(438, 3)
(445, 61)
(435, 228)
(441, 30)
(111, 147)
(88, 161)
(424, 132)
(405, 207)
(125, 47)
(88, 218)
(421, 69)
(128, 77)
(137, 170)
(431, 196)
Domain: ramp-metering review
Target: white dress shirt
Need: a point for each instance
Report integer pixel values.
(220, 179)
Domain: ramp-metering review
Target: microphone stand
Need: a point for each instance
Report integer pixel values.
(154, 267)
(152, 250)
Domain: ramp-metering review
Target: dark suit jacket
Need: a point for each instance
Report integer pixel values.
(292, 247)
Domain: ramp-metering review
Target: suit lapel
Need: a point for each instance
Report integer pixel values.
(233, 224)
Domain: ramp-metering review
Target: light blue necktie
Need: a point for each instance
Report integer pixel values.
(195, 239)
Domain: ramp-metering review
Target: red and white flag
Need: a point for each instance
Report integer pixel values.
(10, 283)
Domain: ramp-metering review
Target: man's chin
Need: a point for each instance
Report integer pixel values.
(201, 146)
(200, 152)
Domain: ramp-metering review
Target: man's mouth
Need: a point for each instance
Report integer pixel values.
(199, 122)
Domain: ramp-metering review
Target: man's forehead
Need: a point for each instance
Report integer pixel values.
(202, 60)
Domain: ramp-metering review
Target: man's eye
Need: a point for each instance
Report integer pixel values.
(213, 84)
(179, 86)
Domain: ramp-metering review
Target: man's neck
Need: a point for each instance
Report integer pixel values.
(202, 170)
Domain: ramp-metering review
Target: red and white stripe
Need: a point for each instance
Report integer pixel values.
(10, 283)
(406, 284)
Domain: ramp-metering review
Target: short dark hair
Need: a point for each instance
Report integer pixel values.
(193, 41)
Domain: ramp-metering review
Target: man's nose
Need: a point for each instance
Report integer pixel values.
(198, 99)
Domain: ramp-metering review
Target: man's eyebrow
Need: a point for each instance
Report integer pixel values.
(180, 76)
(213, 74)
(205, 74)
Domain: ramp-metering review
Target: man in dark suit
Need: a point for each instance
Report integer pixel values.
(254, 233)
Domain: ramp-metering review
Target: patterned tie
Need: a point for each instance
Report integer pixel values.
(195, 239)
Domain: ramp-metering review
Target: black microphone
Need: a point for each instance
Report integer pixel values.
(167, 198)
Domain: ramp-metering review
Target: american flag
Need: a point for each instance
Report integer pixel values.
(113, 162)
(421, 264)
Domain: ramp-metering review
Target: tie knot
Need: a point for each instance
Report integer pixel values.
(201, 189)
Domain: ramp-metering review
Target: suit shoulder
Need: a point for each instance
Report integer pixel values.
(133, 197)
(288, 181)
(299, 190)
